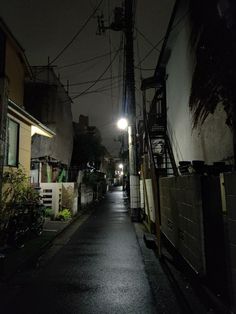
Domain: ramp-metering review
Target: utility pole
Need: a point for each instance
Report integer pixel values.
(130, 98)
(123, 21)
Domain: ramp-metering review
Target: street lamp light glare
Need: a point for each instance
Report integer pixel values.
(122, 124)
(121, 166)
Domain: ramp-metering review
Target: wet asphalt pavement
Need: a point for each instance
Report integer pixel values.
(99, 270)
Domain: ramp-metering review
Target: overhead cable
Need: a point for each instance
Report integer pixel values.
(147, 40)
(161, 40)
(92, 81)
(87, 60)
(77, 33)
(99, 77)
(114, 85)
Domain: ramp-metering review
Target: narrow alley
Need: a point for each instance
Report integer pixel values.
(118, 156)
(100, 270)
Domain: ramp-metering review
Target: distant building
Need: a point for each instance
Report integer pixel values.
(87, 149)
(47, 99)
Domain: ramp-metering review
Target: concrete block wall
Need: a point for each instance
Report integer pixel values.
(60, 195)
(51, 195)
(86, 195)
(70, 196)
(182, 219)
(228, 184)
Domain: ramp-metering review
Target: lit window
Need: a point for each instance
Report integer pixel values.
(12, 143)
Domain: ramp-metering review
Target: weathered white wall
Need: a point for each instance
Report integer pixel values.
(214, 141)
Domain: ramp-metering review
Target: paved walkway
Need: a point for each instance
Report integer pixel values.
(99, 270)
(16, 259)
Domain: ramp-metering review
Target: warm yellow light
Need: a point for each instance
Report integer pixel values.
(40, 131)
(122, 124)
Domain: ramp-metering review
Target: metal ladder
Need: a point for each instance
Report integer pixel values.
(159, 147)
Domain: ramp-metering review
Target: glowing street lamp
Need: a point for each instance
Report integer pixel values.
(121, 166)
(122, 124)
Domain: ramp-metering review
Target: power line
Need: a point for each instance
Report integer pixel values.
(150, 51)
(77, 33)
(147, 40)
(99, 77)
(103, 88)
(106, 87)
(83, 82)
(162, 39)
(92, 81)
(99, 91)
(87, 60)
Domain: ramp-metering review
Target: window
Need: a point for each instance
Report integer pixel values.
(12, 143)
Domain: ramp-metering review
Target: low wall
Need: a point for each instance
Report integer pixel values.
(228, 192)
(198, 216)
(182, 218)
(86, 195)
(58, 195)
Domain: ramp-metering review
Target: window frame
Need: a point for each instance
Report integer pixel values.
(16, 164)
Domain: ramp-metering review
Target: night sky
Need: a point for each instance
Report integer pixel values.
(43, 28)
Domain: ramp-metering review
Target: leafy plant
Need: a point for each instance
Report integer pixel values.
(64, 214)
(17, 188)
(21, 210)
(48, 212)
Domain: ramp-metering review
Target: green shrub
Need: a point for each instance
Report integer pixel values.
(64, 214)
(48, 212)
(17, 189)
